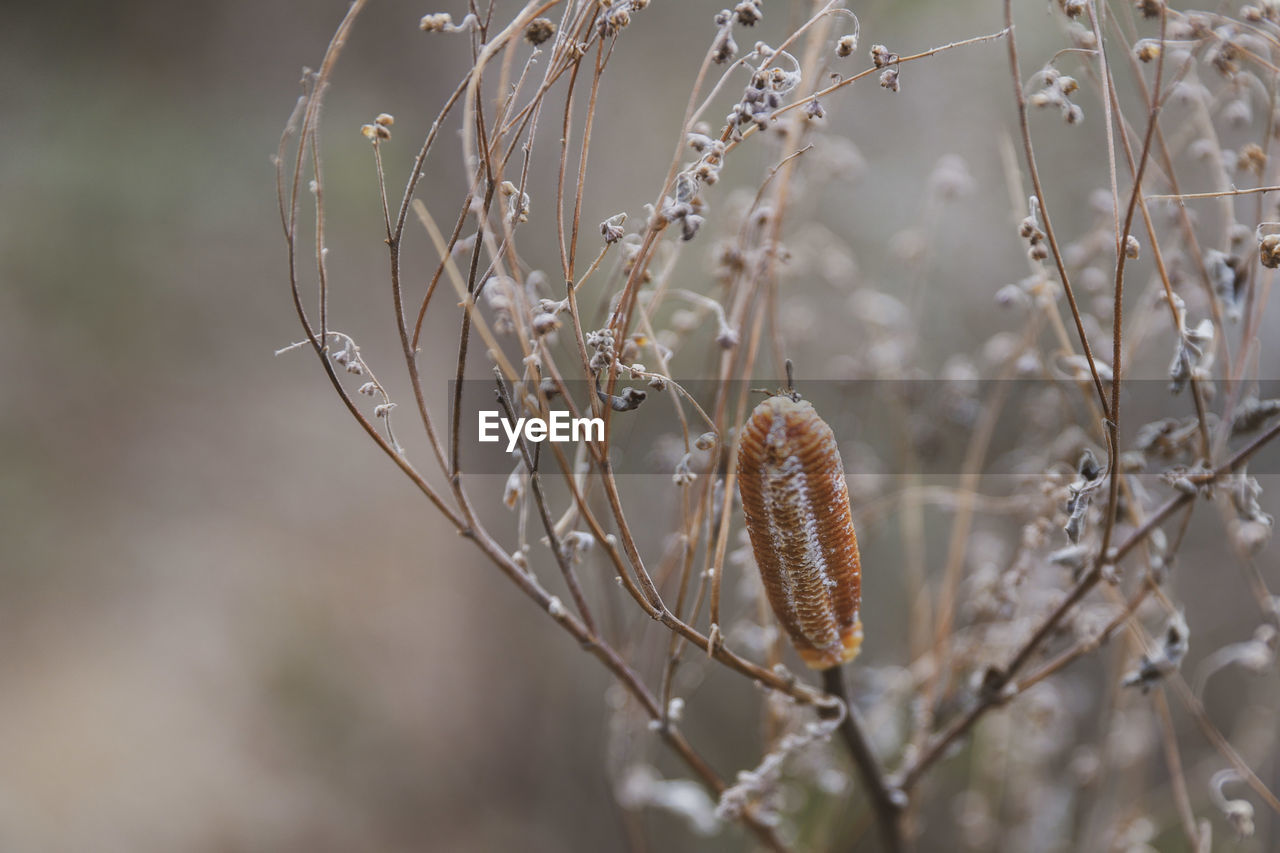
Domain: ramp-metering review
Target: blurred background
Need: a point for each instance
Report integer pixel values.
(226, 622)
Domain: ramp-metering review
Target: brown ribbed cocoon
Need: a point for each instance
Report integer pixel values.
(796, 504)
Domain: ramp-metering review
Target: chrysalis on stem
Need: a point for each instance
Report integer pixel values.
(796, 504)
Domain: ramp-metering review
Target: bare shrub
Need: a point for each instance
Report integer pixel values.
(1054, 536)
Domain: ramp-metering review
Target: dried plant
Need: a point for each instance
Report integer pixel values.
(1072, 556)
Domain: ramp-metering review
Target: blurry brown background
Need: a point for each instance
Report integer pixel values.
(226, 622)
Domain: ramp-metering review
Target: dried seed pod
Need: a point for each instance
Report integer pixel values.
(796, 504)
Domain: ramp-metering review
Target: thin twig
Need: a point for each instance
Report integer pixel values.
(886, 801)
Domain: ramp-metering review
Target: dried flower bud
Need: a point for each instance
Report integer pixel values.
(689, 225)
(539, 30)
(513, 491)
(1146, 50)
(1149, 8)
(438, 22)
(1269, 251)
(846, 45)
(684, 475)
(1131, 247)
(748, 12)
(881, 55)
(611, 229)
(725, 48)
(726, 337)
(1165, 659)
(545, 323)
(889, 79)
(1239, 813)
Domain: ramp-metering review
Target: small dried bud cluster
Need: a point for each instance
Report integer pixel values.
(436, 22)
(1239, 813)
(1056, 92)
(1194, 480)
(1072, 8)
(656, 381)
(1080, 493)
(380, 129)
(887, 60)
(1253, 413)
(539, 30)
(1267, 10)
(1149, 8)
(1251, 528)
(349, 357)
(611, 229)
(749, 12)
(707, 168)
(514, 490)
(686, 208)
(1251, 158)
(1146, 50)
(882, 56)
(1229, 275)
(629, 400)
(1029, 230)
(500, 295)
(1269, 251)
(618, 15)
(442, 22)
(545, 315)
(1193, 357)
(517, 202)
(846, 45)
(763, 94)
(724, 47)
(1166, 658)
(605, 353)
(684, 475)
(577, 543)
(1167, 438)
(1224, 56)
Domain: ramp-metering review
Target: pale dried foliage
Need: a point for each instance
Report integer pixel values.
(1045, 658)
